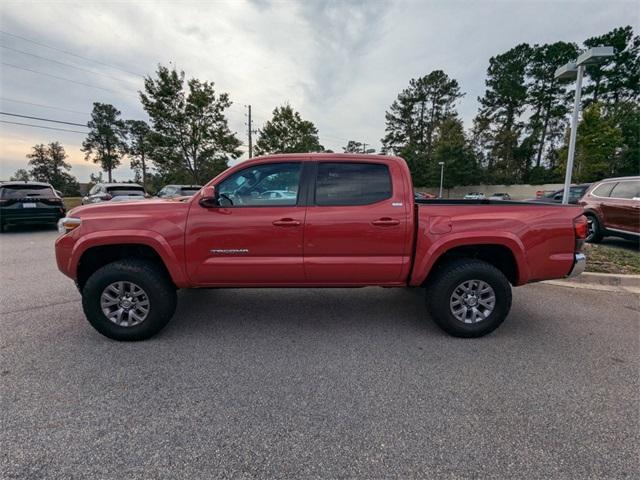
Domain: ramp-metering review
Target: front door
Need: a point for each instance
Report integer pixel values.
(254, 236)
(356, 229)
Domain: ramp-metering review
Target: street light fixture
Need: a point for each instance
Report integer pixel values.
(570, 71)
(441, 177)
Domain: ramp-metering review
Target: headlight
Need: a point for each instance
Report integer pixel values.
(66, 224)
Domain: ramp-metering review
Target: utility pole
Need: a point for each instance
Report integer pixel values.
(364, 147)
(250, 131)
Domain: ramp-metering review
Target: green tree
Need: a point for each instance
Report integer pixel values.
(598, 140)
(287, 132)
(413, 119)
(21, 175)
(626, 116)
(191, 137)
(498, 126)
(48, 165)
(139, 147)
(453, 148)
(105, 143)
(617, 79)
(547, 97)
(353, 147)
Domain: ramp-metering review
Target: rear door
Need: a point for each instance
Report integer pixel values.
(249, 239)
(622, 209)
(356, 224)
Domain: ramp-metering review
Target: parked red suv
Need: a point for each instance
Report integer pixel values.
(612, 207)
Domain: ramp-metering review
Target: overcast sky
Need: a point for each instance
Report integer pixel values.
(341, 64)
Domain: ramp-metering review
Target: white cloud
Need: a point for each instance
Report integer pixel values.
(340, 63)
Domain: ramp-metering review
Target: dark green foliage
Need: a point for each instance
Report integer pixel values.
(105, 143)
(21, 175)
(619, 78)
(139, 147)
(287, 132)
(413, 120)
(498, 127)
(191, 138)
(598, 138)
(452, 148)
(48, 165)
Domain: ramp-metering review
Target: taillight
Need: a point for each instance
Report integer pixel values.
(580, 228)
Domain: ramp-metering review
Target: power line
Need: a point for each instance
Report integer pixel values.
(42, 119)
(66, 52)
(43, 106)
(61, 63)
(57, 77)
(41, 126)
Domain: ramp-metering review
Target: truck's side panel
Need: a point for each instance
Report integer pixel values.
(541, 238)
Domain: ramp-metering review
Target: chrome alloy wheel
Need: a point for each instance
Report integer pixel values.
(472, 301)
(124, 303)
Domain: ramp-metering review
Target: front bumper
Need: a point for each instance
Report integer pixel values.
(579, 264)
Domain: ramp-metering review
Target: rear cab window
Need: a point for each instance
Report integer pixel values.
(357, 183)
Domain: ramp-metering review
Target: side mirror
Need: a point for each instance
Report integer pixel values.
(208, 198)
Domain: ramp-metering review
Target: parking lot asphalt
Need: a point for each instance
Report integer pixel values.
(303, 383)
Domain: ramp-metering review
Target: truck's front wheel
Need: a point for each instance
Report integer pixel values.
(468, 297)
(129, 300)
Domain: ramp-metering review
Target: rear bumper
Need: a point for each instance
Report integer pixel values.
(8, 217)
(579, 264)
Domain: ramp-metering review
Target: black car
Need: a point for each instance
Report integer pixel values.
(29, 202)
(170, 191)
(575, 193)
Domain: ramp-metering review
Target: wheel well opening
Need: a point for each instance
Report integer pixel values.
(97, 257)
(499, 256)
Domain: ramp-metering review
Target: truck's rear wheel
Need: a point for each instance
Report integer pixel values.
(129, 300)
(468, 297)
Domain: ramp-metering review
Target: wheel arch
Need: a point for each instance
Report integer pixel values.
(94, 252)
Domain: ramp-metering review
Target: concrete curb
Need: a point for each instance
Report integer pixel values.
(602, 281)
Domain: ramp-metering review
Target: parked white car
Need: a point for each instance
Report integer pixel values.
(474, 196)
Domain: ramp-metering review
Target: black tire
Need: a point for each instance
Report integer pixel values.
(153, 280)
(594, 232)
(448, 278)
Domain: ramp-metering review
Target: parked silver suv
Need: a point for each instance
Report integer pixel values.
(105, 192)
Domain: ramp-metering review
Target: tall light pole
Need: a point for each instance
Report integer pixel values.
(575, 70)
(441, 177)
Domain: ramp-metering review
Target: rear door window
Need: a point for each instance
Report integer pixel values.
(603, 190)
(26, 191)
(626, 189)
(341, 183)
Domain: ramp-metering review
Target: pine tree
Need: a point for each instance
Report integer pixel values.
(413, 119)
(105, 143)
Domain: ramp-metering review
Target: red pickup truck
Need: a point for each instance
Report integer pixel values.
(314, 220)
